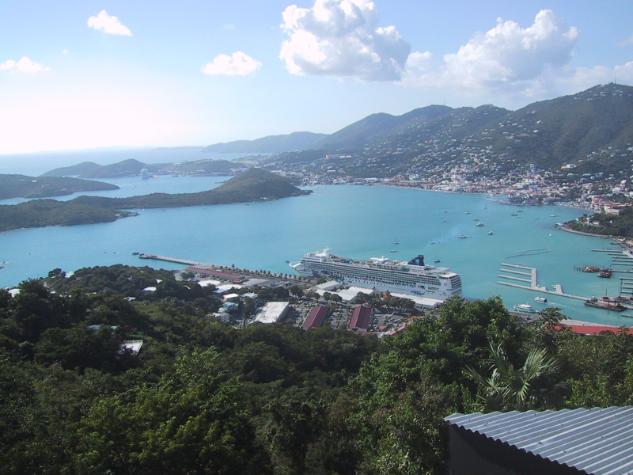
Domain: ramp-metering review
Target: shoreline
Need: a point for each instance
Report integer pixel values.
(584, 233)
(492, 195)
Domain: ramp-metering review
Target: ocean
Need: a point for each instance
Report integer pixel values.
(353, 221)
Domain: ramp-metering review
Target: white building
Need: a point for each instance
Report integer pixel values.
(272, 312)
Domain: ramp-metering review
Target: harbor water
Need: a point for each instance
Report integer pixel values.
(353, 221)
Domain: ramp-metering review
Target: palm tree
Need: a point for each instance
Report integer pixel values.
(508, 387)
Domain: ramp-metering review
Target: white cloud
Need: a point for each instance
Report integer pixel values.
(23, 65)
(342, 38)
(235, 64)
(509, 53)
(108, 24)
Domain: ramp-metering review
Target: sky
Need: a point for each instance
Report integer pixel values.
(89, 74)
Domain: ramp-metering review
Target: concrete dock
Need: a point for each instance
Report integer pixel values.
(175, 260)
(532, 282)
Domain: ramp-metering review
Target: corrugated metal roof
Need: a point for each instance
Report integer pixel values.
(596, 440)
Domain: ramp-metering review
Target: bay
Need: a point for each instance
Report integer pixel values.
(353, 221)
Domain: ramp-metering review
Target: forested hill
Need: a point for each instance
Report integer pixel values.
(22, 186)
(253, 185)
(129, 167)
(593, 130)
(203, 397)
(271, 143)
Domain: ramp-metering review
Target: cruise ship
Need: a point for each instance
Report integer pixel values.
(382, 274)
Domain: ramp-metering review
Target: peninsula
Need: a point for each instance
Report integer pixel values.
(252, 185)
(22, 186)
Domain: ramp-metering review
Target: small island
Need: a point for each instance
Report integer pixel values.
(253, 185)
(22, 186)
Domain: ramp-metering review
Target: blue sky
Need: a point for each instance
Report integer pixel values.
(198, 72)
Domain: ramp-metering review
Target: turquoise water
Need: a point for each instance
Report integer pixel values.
(354, 221)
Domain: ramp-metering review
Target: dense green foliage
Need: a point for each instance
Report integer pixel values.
(252, 185)
(37, 213)
(202, 397)
(608, 225)
(22, 186)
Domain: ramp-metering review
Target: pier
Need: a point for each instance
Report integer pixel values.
(174, 260)
(557, 289)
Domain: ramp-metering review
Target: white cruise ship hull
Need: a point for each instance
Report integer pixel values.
(383, 275)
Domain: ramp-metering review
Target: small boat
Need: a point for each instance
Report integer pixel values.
(395, 243)
(462, 236)
(524, 308)
(135, 253)
(540, 299)
(436, 261)
(393, 250)
(466, 212)
(490, 233)
(480, 225)
(605, 273)
(514, 214)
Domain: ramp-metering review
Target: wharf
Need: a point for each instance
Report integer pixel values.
(557, 291)
(532, 281)
(175, 260)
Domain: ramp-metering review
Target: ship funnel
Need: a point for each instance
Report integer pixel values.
(417, 261)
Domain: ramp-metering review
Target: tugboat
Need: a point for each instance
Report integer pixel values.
(591, 269)
(605, 303)
(605, 273)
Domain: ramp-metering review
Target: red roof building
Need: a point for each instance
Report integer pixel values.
(316, 317)
(361, 317)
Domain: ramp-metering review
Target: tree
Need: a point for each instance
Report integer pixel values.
(507, 387)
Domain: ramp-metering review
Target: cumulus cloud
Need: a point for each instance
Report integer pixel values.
(342, 38)
(509, 53)
(235, 64)
(109, 24)
(23, 65)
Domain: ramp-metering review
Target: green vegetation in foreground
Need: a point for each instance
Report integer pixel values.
(604, 224)
(22, 186)
(202, 397)
(252, 185)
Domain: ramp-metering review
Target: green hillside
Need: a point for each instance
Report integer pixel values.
(295, 141)
(252, 185)
(22, 186)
